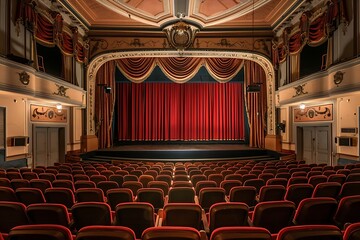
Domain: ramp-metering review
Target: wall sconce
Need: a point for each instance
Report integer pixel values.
(59, 107)
(302, 106)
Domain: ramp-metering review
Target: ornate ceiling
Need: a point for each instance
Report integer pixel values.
(208, 15)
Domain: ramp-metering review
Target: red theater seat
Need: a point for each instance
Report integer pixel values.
(240, 233)
(182, 214)
(105, 233)
(310, 232)
(171, 233)
(48, 213)
(41, 231)
(136, 216)
(12, 214)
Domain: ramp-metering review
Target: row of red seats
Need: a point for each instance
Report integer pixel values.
(55, 232)
(140, 216)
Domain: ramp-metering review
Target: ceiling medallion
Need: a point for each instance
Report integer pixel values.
(181, 35)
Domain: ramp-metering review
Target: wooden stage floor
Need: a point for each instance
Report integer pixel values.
(180, 147)
(181, 152)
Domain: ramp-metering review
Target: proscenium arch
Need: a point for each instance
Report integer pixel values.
(263, 61)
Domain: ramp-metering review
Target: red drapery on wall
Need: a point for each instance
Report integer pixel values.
(171, 111)
(105, 103)
(179, 69)
(256, 104)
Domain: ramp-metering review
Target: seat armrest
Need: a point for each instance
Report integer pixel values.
(205, 221)
(196, 199)
(203, 235)
(159, 218)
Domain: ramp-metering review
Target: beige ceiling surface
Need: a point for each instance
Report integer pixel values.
(207, 14)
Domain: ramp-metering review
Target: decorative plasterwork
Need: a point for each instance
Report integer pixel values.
(181, 35)
(299, 90)
(47, 114)
(314, 113)
(24, 78)
(338, 78)
(264, 62)
(61, 91)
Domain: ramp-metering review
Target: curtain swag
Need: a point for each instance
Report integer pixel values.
(179, 69)
(48, 29)
(310, 31)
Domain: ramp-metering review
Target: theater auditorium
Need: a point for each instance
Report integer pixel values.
(179, 119)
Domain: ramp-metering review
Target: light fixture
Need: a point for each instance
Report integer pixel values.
(302, 106)
(59, 107)
(181, 8)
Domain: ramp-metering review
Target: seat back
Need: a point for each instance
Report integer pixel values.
(327, 189)
(145, 179)
(12, 214)
(64, 183)
(297, 192)
(30, 195)
(41, 231)
(313, 211)
(263, 215)
(8, 194)
(203, 184)
(277, 181)
(84, 184)
(272, 193)
(91, 213)
(137, 216)
(60, 195)
(160, 185)
(48, 213)
(105, 232)
(89, 195)
(240, 233)
(352, 232)
(41, 184)
(315, 180)
(228, 214)
(209, 196)
(181, 195)
(350, 189)
(348, 211)
(119, 195)
(154, 196)
(19, 183)
(134, 186)
(257, 183)
(308, 232)
(245, 194)
(227, 185)
(171, 233)
(182, 214)
(107, 185)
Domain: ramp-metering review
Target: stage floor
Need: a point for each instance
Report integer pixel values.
(181, 152)
(180, 147)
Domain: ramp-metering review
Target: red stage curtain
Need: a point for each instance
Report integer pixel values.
(187, 112)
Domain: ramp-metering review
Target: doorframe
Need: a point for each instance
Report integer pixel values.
(298, 130)
(33, 143)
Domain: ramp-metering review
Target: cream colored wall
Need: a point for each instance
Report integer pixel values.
(76, 126)
(16, 121)
(347, 117)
